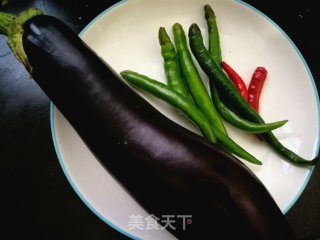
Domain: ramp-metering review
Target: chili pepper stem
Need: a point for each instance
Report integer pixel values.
(214, 38)
(163, 36)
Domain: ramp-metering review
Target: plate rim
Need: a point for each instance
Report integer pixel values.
(306, 66)
(257, 11)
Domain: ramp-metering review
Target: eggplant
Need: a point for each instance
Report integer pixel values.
(166, 168)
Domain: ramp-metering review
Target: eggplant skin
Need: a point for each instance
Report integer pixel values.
(166, 168)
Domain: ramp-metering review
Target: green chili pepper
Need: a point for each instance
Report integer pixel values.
(171, 64)
(186, 106)
(227, 114)
(227, 88)
(172, 97)
(240, 122)
(194, 82)
(213, 34)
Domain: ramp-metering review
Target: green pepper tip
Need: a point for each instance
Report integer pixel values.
(258, 163)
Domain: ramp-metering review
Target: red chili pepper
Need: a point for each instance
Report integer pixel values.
(255, 87)
(236, 79)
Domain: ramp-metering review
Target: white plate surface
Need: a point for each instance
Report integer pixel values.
(125, 35)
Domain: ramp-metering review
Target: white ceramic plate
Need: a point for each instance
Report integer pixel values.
(125, 35)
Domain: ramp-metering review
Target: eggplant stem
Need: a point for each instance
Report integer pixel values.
(12, 26)
(5, 20)
(4, 2)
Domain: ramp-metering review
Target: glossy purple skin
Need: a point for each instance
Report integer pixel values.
(166, 168)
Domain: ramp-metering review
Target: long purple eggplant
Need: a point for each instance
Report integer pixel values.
(166, 168)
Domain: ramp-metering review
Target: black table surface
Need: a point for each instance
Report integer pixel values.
(36, 198)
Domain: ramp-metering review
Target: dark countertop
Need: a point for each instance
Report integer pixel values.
(36, 198)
